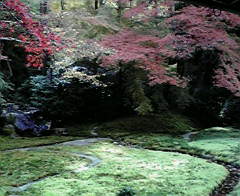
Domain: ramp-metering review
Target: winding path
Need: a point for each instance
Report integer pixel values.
(94, 161)
(226, 186)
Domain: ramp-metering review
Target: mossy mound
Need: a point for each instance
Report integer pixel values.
(165, 123)
(145, 172)
(223, 142)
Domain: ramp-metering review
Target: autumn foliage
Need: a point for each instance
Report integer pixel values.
(37, 41)
(192, 28)
(196, 28)
(148, 52)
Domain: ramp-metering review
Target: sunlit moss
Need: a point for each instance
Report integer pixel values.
(146, 172)
(21, 167)
(220, 141)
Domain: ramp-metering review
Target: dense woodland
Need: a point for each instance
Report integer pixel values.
(146, 92)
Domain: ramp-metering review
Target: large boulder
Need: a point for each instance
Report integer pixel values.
(26, 122)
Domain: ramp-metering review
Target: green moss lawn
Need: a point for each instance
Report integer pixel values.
(7, 143)
(20, 167)
(223, 143)
(145, 172)
(236, 191)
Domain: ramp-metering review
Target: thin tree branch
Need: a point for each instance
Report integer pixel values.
(10, 39)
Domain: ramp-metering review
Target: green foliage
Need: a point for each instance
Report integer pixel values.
(96, 31)
(42, 92)
(34, 5)
(55, 5)
(135, 96)
(4, 87)
(37, 90)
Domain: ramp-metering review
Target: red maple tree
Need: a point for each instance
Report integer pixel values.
(37, 41)
(148, 52)
(198, 27)
(192, 28)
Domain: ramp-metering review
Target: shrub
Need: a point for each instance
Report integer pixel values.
(4, 87)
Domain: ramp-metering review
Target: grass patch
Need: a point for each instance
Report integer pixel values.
(20, 167)
(143, 171)
(157, 141)
(7, 143)
(223, 143)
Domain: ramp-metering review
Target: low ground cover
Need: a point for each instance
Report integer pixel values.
(223, 143)
(7, 143)
(145, 172)
(236, 191)
(20, 167)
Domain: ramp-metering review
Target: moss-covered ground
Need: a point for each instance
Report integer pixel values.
(236, 191)
(20, 167)
(146, 172)
(7, 143)
(223, 143)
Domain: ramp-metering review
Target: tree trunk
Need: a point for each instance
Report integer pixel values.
(62, 5)
(96, 4)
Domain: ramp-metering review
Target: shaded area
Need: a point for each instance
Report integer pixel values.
(230, 5)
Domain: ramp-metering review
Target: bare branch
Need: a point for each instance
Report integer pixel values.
(10, 39)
